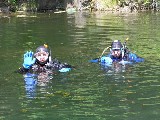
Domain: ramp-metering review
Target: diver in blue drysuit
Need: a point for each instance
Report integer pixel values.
(118, 53)
(37, 66)
(118, 59)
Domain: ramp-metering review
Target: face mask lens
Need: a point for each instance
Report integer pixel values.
(116, 49)
(41, 54)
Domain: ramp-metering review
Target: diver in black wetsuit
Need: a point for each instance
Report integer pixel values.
(38, 69)
(41, 62)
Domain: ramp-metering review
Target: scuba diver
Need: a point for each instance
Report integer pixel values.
(38, 69)
(118, 60)
(118, 53)
(41, 61)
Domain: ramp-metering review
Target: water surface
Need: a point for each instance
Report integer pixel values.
(88, 92)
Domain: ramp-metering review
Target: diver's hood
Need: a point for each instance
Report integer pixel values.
(116, 45)
(42, 48)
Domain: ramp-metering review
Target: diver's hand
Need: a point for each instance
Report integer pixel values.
(28, 60)
(106, 60)
(64, 69)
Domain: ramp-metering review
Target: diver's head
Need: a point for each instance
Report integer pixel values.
(42, 55)
(116, 48)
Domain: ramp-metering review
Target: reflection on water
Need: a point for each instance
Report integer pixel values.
(32, 81)
(116, 67)
(88, 92)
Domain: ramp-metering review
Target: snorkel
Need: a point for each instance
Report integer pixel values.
(124, 48)
(49, 58)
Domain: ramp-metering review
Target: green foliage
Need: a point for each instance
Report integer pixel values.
(108, 3)
(13, 2)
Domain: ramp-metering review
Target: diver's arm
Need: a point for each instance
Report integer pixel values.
(133, 57)
(100, 59)
(61, 67)
(65, 67)
(23, 70)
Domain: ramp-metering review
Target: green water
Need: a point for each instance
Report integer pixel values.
(88, 92)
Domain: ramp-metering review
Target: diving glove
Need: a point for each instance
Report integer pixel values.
(64, 69)
(106, 60)
(28, 60)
